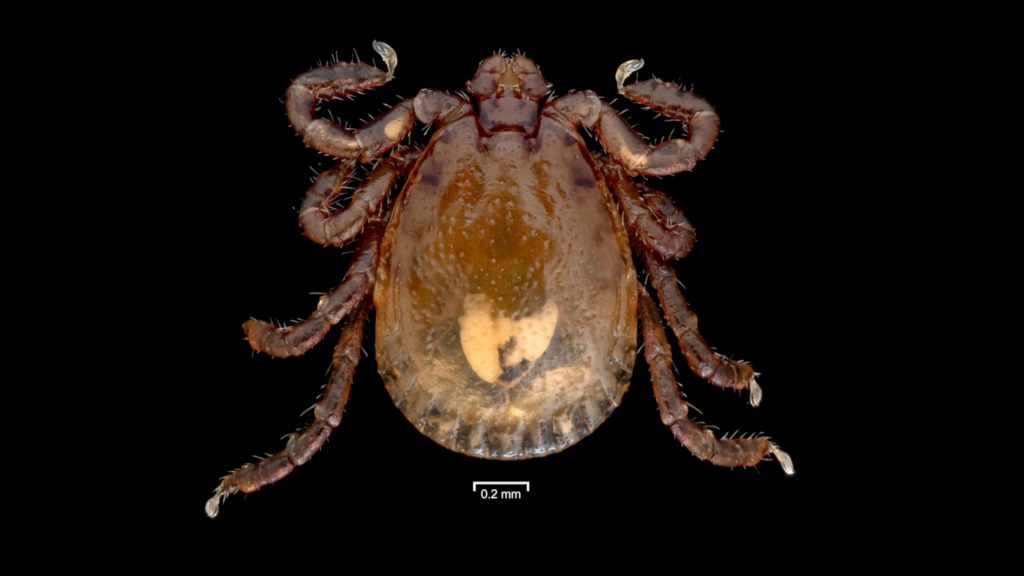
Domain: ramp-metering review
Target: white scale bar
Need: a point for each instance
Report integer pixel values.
(523, 483)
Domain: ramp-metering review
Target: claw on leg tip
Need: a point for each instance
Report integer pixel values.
(388, 54)
(784, 460)
(213, 504)
(755, 393)
(625, 70)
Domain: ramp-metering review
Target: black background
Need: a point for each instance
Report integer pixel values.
(761, 278)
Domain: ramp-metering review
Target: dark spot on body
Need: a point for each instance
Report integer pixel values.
(569, 138)
(446, 136)
(505, 348)
(510, 372)
(583, 182)
(430, 179)
(582, 178)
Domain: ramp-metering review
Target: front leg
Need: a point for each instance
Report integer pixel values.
(671, 156)
(700, 441)
(626, 146)
(337, 81)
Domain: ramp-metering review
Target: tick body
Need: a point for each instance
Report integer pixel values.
(506, 299)
(503, 272)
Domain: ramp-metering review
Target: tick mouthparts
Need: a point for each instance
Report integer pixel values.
(509, 79)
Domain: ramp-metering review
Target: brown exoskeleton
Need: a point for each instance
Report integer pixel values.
(502, 275)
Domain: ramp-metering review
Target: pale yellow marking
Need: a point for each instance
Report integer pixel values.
(483, 332)
(394, 129)
(632, 159)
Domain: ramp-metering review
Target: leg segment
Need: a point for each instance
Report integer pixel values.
(661, 232)
(651, 217)
(326, 417)
(669, 157)
(295, 340)
(323, 225)
(343, 79)
(702, 360)
(700, 441)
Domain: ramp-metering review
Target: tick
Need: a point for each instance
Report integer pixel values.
(502, 274)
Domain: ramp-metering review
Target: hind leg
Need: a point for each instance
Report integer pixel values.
(700, 441)
(326, 417)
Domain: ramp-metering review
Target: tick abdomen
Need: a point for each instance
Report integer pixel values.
(506, 298)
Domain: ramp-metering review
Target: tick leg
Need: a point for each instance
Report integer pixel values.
(651, 217)
(326, 417)
(325, 225)
(700, 441)
(436, 107)
(702, 360)
(295, 340)
(668, 99)
(339, 80)
(661, 232)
